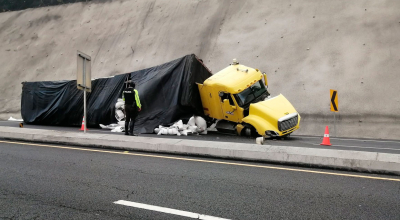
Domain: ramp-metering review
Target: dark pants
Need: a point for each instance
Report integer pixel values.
(131, 113)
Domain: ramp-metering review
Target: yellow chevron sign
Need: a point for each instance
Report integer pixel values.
(334, 101)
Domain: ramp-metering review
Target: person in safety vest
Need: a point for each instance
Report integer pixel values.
(132, 107)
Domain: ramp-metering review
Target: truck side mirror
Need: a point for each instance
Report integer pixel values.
(265, 79)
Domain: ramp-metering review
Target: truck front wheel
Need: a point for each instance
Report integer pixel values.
(248, 131)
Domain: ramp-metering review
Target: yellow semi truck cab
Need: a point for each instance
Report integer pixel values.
(238, 99)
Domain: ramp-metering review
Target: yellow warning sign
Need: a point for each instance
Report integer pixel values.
(334, 101)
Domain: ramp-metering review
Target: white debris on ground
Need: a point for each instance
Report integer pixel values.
(260, 140)
(120, 127)
(110, 127)
(14, 119)
(212, 127)
(120, 116)
(119, 110)
(195, 125)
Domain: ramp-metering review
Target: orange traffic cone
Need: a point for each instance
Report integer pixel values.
(83, 125)
(326, 140)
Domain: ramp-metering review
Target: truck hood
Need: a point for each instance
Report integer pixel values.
(272, 109)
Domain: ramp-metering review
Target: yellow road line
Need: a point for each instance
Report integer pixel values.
(206, 161)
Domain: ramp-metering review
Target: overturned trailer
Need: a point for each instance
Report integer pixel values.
(168, 92)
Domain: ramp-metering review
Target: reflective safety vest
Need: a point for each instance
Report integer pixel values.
(131, 96)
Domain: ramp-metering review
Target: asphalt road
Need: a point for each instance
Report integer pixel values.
(371, 145)
(62, 182)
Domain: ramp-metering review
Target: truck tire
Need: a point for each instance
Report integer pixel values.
(248, 131)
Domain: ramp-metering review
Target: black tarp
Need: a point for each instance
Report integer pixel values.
(14, 5)
(168, 92)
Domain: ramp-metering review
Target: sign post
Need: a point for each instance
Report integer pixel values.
(84, 79)
(334, 106)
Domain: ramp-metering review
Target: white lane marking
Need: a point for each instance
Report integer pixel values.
(334, 145)
(167, 210)
(398, 142)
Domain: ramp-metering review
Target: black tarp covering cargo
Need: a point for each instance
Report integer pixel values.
(168, 92)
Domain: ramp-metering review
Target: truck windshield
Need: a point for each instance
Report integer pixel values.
(250, 94)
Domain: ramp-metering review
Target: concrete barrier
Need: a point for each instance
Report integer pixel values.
(326, 158)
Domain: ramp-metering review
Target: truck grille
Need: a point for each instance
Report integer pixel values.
(288, 123)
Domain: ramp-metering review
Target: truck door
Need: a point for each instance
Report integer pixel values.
(229, 108)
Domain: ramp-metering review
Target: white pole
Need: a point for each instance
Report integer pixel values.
(84, 94)
(84, 108)
(334, 123)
